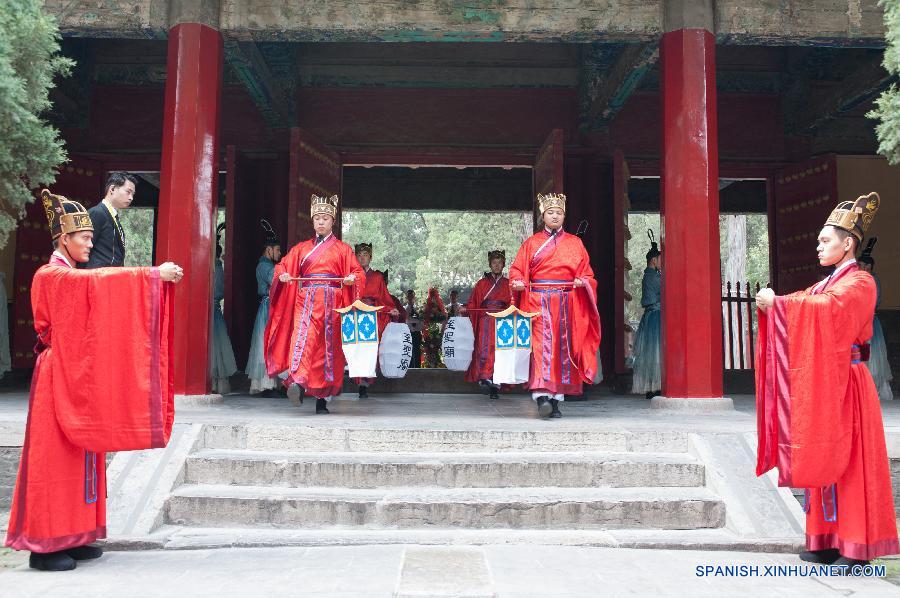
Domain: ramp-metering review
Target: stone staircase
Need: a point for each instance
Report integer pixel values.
(321, 480)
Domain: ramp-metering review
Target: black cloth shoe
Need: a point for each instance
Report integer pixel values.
(850, 564)
(823, 557)
(85, 553)
(265, 394)
(649, 395)
(543, 405)
(321, 407)
(494, 393)
(51, 561)
(554, 413)
(363, 392)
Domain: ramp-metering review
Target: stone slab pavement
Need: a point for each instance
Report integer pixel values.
(373, 571)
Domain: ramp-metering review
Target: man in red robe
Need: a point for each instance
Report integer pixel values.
(375, 293)
(81, 405)
(552, 271)
(303, 336)
(491, 294)
(818, 416)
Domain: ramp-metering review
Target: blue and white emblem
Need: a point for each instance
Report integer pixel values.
(348, 327)
(367, 326)
(506, 336)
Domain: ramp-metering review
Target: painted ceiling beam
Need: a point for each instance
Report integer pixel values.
(867, 81)
(267, 93)
(610, 92)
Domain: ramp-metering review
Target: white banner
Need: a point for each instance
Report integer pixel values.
(512, 346)
(359, 339)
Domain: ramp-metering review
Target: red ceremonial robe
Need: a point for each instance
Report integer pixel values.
(566, 335)
(303, 335)
(376, 293)
(818, 416)
(489, 295)
(102, 382)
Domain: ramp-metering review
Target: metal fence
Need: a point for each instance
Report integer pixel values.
(739, 325)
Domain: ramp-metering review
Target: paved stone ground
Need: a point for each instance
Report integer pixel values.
(373, 571)
(468, 411)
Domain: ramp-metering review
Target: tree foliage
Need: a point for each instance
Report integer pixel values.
(138, 226)
(31, 149)
(435, 249)
(887, 107)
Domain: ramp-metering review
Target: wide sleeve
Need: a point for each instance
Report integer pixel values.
(650, 288)
(586, 325)
(475, 299)
(265, 271)
(350, 267)
(802, 377)
(281, 313)
(111, 356)
(219, 281)
(521, 271)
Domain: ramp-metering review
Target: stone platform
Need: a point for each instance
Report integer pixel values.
(429, 469)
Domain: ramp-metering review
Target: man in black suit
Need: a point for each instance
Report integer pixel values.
(109, 238)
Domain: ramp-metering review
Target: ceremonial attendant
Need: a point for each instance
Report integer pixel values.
(88, 398)
(395, 301)
(222, 364)
(375, 293)
(878, 363)
(647, 376)
(109, 238)
(414, 321)
(261, 382)
(303, 335)
(818, 415)
(552, 271)
(491, 294)
(454, 307)
(435, 319)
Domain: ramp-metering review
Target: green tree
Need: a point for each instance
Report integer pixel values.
(137, 224)
(887, 107)
(442, 249)
(31, 149)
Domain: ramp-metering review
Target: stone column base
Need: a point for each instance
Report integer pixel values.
(692, 405)
(198, 400)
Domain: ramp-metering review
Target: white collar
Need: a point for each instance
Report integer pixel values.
(58, 253)
(111, 209)
(843, 266)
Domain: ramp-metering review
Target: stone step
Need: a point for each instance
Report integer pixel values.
(324, 438)
(473, 508)
(446, 470)
(174, 537)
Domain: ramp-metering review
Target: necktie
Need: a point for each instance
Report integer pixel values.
(120, 229)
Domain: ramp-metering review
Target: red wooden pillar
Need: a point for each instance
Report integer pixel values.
(691, 289)
(187, 200)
